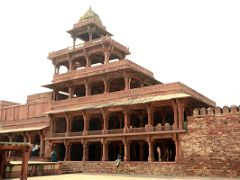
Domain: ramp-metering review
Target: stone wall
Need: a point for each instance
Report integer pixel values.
(211, 147)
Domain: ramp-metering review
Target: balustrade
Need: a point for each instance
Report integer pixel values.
(140, 130)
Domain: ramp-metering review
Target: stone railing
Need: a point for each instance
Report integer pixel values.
(146, 129)
(112, 66)
(215, 111)
(160, 89)
(88, 44)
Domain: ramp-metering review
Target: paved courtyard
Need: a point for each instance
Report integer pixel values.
(117, 177)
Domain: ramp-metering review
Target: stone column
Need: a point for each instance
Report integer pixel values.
(126, 120)
(67, 152)
(74, 42)
(90, 35)
(70, 91)
(70, 65)
(175, 112)
(85, 151)
(180, 107)
(126, 150)
(150, 112)
(105, 150)
(126, 80)
(88, 61)
(106, 86)
(105, 115)
(29, 137)
(85, 122)
(68, 118)
(24, 168)
(177, 157)
(106, 57)
(41, 152)
(87, 88)
(150, 150)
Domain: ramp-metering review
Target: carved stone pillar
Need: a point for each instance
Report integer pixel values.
(126, 150)
(70, 90)
(175, 112)
(85, 151)
(150, 150)
(68, 118)
(127, 83)
(85, 120)
(106, 57)
(126, 120)
(90, 34)
(87, 88)
(180, 107)
(67, 151)
(42, 145)
(105, 115)
(88, 61)
(106, 86)
(150, 112)
(24, 168)
(74, 42)
(105, 150)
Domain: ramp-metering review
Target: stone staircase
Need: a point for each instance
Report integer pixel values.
(69, 170)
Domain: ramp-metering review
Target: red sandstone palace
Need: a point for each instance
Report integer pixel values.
(103, 104)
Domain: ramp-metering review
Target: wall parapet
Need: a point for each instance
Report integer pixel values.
(215, 111)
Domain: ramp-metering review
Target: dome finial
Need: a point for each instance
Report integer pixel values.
(90, 14)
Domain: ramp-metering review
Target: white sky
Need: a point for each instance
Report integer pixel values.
(194, 42)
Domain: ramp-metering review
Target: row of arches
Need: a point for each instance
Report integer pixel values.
(86, 61)
(98, 87)
(115, 120)
(138, 151)
(33, 138)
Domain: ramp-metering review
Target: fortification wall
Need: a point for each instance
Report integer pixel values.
(212, 144)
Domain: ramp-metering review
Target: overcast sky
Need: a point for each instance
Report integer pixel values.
(194, 42)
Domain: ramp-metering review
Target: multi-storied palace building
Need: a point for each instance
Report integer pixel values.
(102, 104)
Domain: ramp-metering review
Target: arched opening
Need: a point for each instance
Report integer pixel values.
(63, 68)
(115, 148)
(138, 118)
(61, 94)
(76, 152)
(114, 57)
(97, 59)
(167, 150)
(116, 85)
(96, 122)
(79, 63)
(116, 120)
(163, 116)
(135, 151)
(135, 83)
(4, 139)
(77, 124)
(139, 151)
(79, 91)
(97, 88)
(60, 150)
(18, 138)
(60, 126)
(35, 139)
(95, 151)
